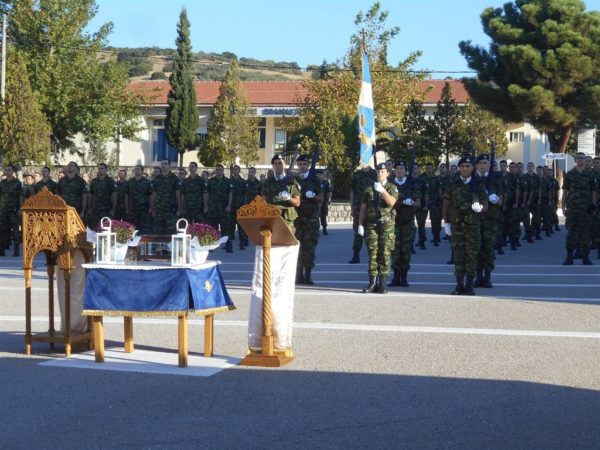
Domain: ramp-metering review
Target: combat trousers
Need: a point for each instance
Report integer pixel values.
(596, 228)
(221, 221)
(404, 236)
(421, 215)
(536, 218)
(526, 219)
(380, 241)
(164, 221)
(547, 218)
(578, 230)
(358, 239)
(488, 229)
(307, 232)
(512, 222)
(241, 233)
(323, 213)
(194, 215)
(435, 216)
(95, 215)
(141, 219)
(10, 222)
(466, 243)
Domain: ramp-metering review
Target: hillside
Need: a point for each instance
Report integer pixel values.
(155, 63)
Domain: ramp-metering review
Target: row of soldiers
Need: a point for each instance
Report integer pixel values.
(504, 198)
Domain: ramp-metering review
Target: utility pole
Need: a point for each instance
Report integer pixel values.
(3, 69)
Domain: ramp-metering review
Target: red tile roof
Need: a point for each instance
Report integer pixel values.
(273, 93)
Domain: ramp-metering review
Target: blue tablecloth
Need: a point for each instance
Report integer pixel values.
(154, 290)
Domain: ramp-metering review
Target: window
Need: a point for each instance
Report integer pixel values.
(262, 132)
(159, 122)
(517, 136)
(161, 148)
(280, 139)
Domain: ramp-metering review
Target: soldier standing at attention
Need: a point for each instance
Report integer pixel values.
(361, 180)
(546, 200)
(376, 224)
(194, 196)
(435, 203)
(73, 189)
(46, 181)
(324, 206)
(579, 202)
(138, 198)
(166, 199)
(491, 218)
(404, 228)
(422, 182)
(535, 184)
(463, 203)
(103, 197)
(121, 188)
(28, 186)
(596, 217)
(523, 210)
(219, 204)
(252, 187)
(511, 205)
(555, 196)
(238, 186)
(444, 183)
(282, 191)
(11, 200)
(307, 223)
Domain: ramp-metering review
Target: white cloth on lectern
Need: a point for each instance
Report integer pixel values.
(283, 284)
(79, 323)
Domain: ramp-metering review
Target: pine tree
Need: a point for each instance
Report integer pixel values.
(443, 129)
(24, 130)
(182, 112)
(232, 127)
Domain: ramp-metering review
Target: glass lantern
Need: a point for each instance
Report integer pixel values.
(106, 243)
(181, 244)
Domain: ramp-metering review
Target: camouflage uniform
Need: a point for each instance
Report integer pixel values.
(252, 188)
(535, 184)
(50, 184)
(324, 207)
(490, 221)
(28, 190)
(525, 209)
(193, 190)
(555, 189)
(238, 196)
(546, 210)
(596, 216)
(404, 228)
(510, 208)
(434, 186)
(271, 189)
(72, 190)
(138, 199)
(101, 192)
(361, 180)
(11, 192)
(422, 184)
(218, 199)
(165, 188)
(579, 186)
(121, 209)
(307, 223)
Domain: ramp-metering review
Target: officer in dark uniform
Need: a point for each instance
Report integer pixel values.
(282, 191)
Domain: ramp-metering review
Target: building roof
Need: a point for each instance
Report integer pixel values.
(274, 93)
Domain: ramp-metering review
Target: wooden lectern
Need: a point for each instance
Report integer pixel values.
(264, 225)
(49, 225)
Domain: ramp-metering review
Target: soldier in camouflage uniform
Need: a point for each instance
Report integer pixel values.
(596, 217)
(555, 197)
(103, 197)
(510, 205)
(252, 187)
(307, 223)
(378, 228)
(546, 200)
(464, 200)
(46, 181)
(444, 178)
(73, 189)
(194, 196)
(491, 218)
(579, 202)
(121, 189)
(361, 179)
(238, 197)
(421, 181)
(535, 200)
(11, 199)
(528, 180)
(324, 206)
(282, 191)
(219, 204)
(404, 228)
(166, 193)
(138, 198)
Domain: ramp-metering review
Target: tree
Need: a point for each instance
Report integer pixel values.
(24, 130)
(481, 129)
(232, 127)
(443, 129)
(182, 112)
(77, 92)
(541, 66)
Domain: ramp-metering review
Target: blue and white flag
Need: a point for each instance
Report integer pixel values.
(366, 115)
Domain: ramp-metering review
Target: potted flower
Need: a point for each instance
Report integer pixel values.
(125, 233)
(204, 239)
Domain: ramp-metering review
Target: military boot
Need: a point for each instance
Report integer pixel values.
(538, 237)
(585, 258)
(451, 260)
(381, 285)
(499, 249)
(556, 228)
(307, 279)
(372, 287)
(404, 278)
(422, 244)
(325, 231)
(395, 279)
(530, 239)
(16, 249)
(487, 279)
(577, 254)
(299, 275)
(229, 246)
(479, 280)
(469, 287)
(569, 259)
(513, 245)
(460, 286)
(436, 240)
(355, 258)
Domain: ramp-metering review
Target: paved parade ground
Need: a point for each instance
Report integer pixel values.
(517, 366)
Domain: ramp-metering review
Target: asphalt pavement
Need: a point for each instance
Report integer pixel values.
(516, 366)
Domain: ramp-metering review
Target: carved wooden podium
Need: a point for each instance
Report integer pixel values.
(264, 225)
(49, 225)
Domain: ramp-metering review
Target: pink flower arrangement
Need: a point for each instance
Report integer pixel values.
(123, 230)
(206, 234)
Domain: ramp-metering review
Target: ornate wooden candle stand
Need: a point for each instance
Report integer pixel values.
(49, 225)
(263, 224)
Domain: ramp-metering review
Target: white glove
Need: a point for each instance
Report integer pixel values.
(448, 229)
(310, 194)
(361, 230)
(284, 195)
(477, 207)
(378, 187)
(408, 202)
(493, 198)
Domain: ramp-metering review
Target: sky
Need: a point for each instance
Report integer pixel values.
(302, 31)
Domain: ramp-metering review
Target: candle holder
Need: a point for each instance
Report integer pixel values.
(181, 243)
(106, 243)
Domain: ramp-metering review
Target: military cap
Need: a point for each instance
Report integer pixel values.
(381, 166)
(400, 162)
(276, 157)
(465, 159)
(482, 157)
(303, 158)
